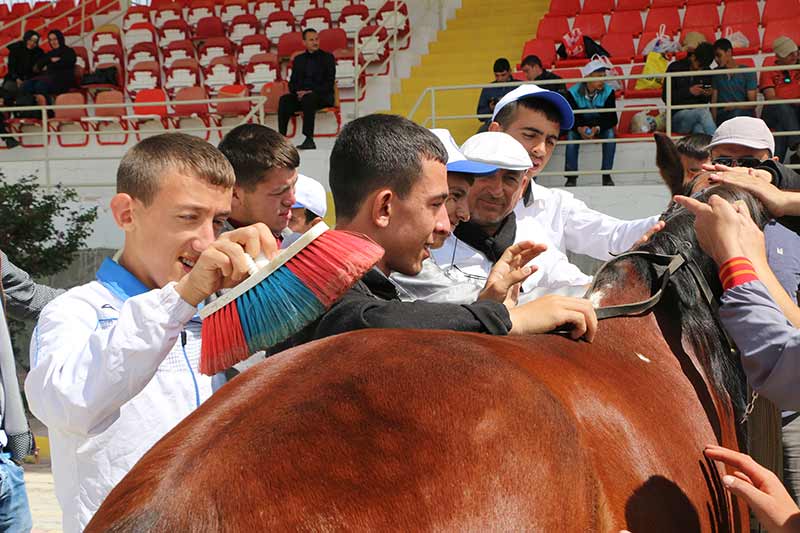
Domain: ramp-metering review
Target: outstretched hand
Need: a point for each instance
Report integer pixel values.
(510, 271)
(658, 226)
(778, 203)
(760, 488)
(553, 311)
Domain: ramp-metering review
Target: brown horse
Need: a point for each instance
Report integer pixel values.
(436, 430)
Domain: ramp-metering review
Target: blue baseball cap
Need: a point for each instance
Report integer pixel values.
(456, 162)
(534, 91)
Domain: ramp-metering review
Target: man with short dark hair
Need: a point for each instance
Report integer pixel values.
(534, 71)
(265, 164)
(694, 153)
(687, 90)
(782, 85)
(389, 182)
(311, 87)
(491, 95)
(738, 87)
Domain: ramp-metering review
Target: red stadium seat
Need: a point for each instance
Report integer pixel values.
(374, 45)
(591, 24)
(231, 112)
(789, 28)
(69, 117)
(668, 16)
(174, 30)
(298, 7)
(740, 12)
(544, 49)
(751, 32)
(567, 73)
(142, 52)
(620, 46)
(552, 28)
(289, 43)
(318, 18)
(106, 37)
(632, 5)
(214, 48)
(209, 27)
(141, 32)
(629, 22)
(564, 8)
(231, 9)
(252, 45)
(264, 8)
(221, 72)
(262, 69)
(109, 119)
(279, 23)
(598, 6)
(183, 73)
(178, 50)
(143, 75)
(667, 3)
(135, 14)
(241, 27)
(352, 17)
(167, 12)
(191, 112)
(149, 108)
(701, 16)
(332, 39)
(780, 10)
(632, 92)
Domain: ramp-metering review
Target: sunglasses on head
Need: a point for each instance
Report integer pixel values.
(750, 162)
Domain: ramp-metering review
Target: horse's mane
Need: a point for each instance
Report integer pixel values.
(697, 321)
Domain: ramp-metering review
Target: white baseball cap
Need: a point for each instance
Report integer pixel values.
(310, 194)
(456, 162)
(534, 91)
(592, 67)
(744, 131)
(498, 149)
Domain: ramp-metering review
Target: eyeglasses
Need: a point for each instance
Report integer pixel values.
(749, 162)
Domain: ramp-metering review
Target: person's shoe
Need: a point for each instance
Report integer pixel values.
(11, 142)
(607, 181)
(308, 144)
(572, 181)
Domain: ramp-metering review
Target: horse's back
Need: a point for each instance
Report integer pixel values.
(377, 429)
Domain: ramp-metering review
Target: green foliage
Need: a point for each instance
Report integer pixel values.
(30, 217)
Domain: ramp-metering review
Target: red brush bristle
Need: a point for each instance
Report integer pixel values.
(333, 262)
(223, 344)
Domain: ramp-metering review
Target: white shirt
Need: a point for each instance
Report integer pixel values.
(562, 222)
(110, 377)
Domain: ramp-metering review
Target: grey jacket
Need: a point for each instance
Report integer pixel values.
(770, 345)
(25, 298)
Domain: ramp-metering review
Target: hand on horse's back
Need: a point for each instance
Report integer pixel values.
(552, 311)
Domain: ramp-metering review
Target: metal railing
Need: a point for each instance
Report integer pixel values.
(668, 107)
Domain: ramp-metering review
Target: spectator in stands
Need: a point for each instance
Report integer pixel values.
(692, 40)
(692, 90)
(731, 87)
(310, 206)
(22, 56)
(55, 71)
(311, 88)
(491, 95)
(782, 85)
(534, 71)
(592, 95)
(265, 164)
(694, 153)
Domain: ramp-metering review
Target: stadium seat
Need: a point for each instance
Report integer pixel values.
(191, 112)
(318, 18)
(61, 7)
(252, 45)
(261, 69)
(135, 14)
(166, 13)
(264, 8)
(336, 6)
(20, 9)
(104, 36)
(279, 23)
(198, 10)
(149, 109)
(544, 49)
(175, 50)
(567, 73)
(143, 75)
(667, 3)
(624, 125)
(141, 32)
(643, 41)
(629, 22)
(69, 117)
(109, 119)
(81, 59)
(750, 31)
(209, 27)
(109, 55)
(740, 12)
(788, 27)
(241, 27)
(591, 24)
(273, 92)
(334, 110)
(632, 5)
(332, 39)
(35, 23)
(230, 113)
(62, 24)
(74, 29)
(352, 17)
(698, 2)
(668, 16)
(346, 71)
(373, 45)
(231, 9)
(552, 28)
(289, 43)
(780, 10)
(700, 16)
(632, 92)
(298, 7)
(620, 46)
(214, 48)
(183, 73)
(174, 30)
(142, 52)
(20, 125)
(221, 72)
(564, 8)
(598, 6)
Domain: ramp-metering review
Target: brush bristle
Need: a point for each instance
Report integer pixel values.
(287, 300)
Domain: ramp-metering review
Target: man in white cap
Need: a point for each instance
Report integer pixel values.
(534, 117)
(782, 85)
(436, 284)
(310, 205)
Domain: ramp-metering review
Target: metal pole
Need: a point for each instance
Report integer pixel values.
(46, 144)
(83, 15)
(393, 60)
(668, 81)
(356, 67)
(433, 107)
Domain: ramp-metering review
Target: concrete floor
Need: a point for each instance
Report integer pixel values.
(42, 497)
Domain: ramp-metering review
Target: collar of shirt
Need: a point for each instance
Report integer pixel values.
(492, 246)
(117, 279)
(379, 285)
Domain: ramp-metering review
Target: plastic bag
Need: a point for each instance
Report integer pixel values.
(737, 38)
(573, 43)
(656, 64)
(662, 43)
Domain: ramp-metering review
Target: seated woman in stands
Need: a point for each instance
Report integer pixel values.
(22, 56)
(55, 70)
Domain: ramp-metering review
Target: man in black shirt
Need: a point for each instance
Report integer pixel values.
(389, 182)
(692, 90)
(310, 87)
(534, 71)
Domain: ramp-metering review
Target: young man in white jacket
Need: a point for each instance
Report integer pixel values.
(114, 362)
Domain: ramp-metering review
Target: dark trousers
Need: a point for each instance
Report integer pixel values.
(309, 105)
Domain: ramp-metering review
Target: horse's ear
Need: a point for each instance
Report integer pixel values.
(668, 161)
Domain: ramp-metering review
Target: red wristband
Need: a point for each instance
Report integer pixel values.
(735, 271)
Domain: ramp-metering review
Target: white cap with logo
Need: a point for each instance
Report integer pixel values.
(310, 194)
(744, 131)
(530, 91)
(498, 149)
(456, 162)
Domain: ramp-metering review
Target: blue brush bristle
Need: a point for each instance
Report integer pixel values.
(275, 309)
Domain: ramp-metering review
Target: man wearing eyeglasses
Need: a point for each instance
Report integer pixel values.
(782, 85)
